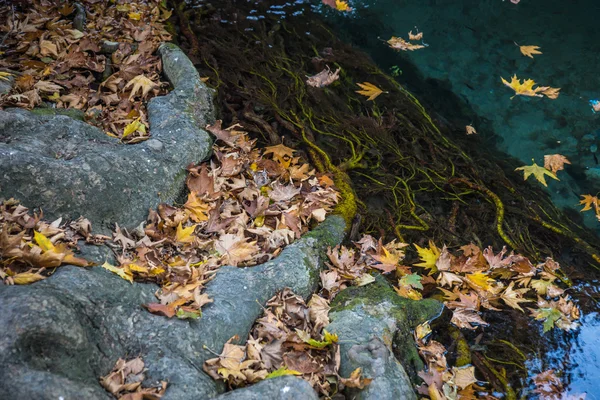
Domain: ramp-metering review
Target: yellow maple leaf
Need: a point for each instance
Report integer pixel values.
(470, 130)
(537, 171)
(122, 272)
(369, 90)
(480, 280)
(341, 5)
(198, 209)
(529, 51)
(184, 235)
(136, 16)
(429, 257)
(526, 88)
(134, 126)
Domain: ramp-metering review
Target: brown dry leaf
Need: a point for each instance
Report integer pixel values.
(464, 376)
(530, 50)
(417, 36)
(235, 250)
(323, 78)
(160, 309)
(318, 309)
(467, 319)
(470, 130)
(513, 297)
(125, 381)
(355, 380)
(555, 162)
(397, 43)
(140, 83)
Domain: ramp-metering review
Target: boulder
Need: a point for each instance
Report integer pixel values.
(61, 334)
(282, 388)
(69, 168)
(368, 318)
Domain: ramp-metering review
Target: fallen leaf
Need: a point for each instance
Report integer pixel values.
(538, 173)
(526, 88)
(283, 371)
(369, 90)
(355, 380)
(160, 309)
(555, 162)
(323, 78)
(119, 271)
(470, 130)
(428, 257)
(25, 278)
(397, 43)
(529, 51)
(140, 83)
(341, 5)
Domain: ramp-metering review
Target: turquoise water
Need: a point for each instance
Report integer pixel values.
(471, 44)
(457, 76)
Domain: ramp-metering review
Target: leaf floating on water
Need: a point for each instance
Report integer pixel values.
(555, 162)
(538, 172)
(529, 51)
(526, 88)
(369, 90)
(470, 130)
(398, 43)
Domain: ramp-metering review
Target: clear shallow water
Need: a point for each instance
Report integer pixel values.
(472, 45)
(458, 77)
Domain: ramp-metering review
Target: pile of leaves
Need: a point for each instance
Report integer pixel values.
(440, 381)
(473, 280)
(31, 248)
(289, 339)
(125, 381)
(93, 56)
(244, 205)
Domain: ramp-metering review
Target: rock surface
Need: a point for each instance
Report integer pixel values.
(69, 168)
(367, 318)
(282, 388)
(61, 334)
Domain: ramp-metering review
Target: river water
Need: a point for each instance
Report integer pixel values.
(470, 45)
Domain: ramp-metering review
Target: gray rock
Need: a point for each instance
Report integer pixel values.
(367, 319)
(282, 388)
(61, 334)
(70, 168)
